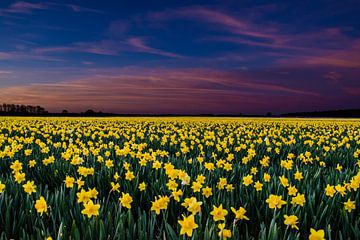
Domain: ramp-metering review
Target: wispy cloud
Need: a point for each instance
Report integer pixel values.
(142, 90)
(321, 47)
(140, 45)
(108, 47)
(23, 7)
(21, 55)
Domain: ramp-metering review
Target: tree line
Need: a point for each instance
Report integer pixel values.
(22, 109)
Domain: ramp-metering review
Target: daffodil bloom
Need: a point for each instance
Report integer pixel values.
(196, 186)
(129, 175)
(115, 187)
(298, 176)
(16, 166)
(224, 233)
(291, 221)
(292, 191)
(41, 206)
(126, 200)
(339, 167)
(109, 163)
(83, 196)
(267, 177)
(142, 186)
(258, 186)
(240, 213)
(188, 225)
(275, 201)
(2, 187)
(219, 213)
(159, 204)
(172, 185)
(19, 177)
(93, 193)
(299, 199)
(80, 183)
(330, 190)
(177, 194)
(91, 209)
(340, 189)
(69, 182)
(32, 163)
(317, 234)
(207, 192)
(284, 181)
(247, 180)
(29, 187)
(116, 176)
(349, 205)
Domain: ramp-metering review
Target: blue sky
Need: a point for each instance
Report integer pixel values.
(181, 56)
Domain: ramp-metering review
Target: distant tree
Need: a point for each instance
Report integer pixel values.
(90, 112)
(268, 114)
(65, 111)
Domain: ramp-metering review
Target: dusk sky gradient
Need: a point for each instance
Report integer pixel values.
(181, 57)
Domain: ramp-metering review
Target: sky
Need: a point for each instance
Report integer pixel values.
(181, 57)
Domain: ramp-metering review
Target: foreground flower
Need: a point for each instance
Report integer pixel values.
(247, 180)
(298, 175)
(299, 199)
(91, 209)
(291, 220)
(69, 182)
(126, 200)
(83, 196)
(224, 233)
(207, 192)
(330, 190)
(349, 205)
(188, 225)
(2, 187)
(284, 181)
(240, 213)
(160, 204)
(115, 187)
(219, 213)
(142, 186)
(41, 206)
(258, 186)
(19, 177)
(192, 205)
(29, 187)
(317, 235)
(275, 201)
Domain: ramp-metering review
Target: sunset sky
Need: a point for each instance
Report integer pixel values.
(181, 57)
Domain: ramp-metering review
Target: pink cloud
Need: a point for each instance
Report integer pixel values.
(28, 7)
(108, 47)
(23, 7)
(352, 90)
(141, 46)
(324, 47)
(18, 55)
(141, 90)
(221, 20)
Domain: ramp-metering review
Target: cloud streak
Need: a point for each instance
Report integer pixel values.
(108, 47)
(159, 91)
(322, 47)
(23, 7)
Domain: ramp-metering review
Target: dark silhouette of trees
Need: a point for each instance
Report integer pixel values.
(16, 109)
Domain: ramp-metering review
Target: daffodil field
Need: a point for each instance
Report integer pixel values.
(179, 178)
